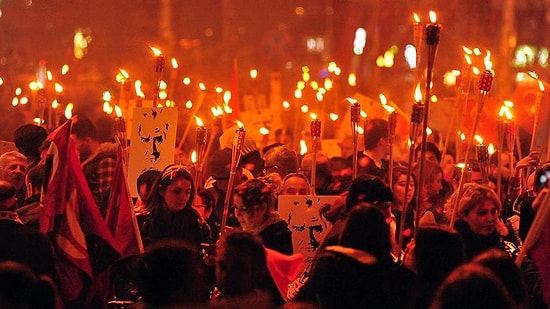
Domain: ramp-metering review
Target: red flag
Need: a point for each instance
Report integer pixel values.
(234, 88)
(70, 214)
(121, 218)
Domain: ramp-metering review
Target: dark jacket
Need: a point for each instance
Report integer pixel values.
(350, 278)
(475, 244)
(27, 246)
(186, 224)
(278, 237)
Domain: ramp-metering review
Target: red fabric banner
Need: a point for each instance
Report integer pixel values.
(121, 218)
(69, 213)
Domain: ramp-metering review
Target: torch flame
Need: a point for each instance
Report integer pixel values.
(416, 18)
(69, 111)
(65, 69)
(334, 116)
(137, 86)
(174, 63)
(418, 93)
(389, 108)
(58, 88)
(118, 111)
(383, 99)
(194, 157)
(156, 51)
(202, 86)
(124, 73)
(239, 124)
(478, 139)
(467, 50)
(199, 122)
(264, 131)
(541, 85)
(468, 59)
(303, 147)
(433, 17)
(226, 96)
(351, 100)
(462, 136)
(313, 116)
(487, 61)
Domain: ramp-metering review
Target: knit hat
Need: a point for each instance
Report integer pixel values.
(226, 141)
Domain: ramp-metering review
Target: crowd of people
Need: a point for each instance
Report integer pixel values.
(219, 241)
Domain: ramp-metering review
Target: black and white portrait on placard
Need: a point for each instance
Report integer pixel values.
(308, 226)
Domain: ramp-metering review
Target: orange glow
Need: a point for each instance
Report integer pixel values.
(541, 86)
(199, 122)
(118, 111)
(156, 51)
(416, 18)
(487, 61)
(418, 93)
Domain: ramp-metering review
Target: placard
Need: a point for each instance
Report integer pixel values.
(308, 227)
(153, 141)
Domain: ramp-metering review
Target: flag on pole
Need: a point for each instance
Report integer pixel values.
(121, 218)
(71, 217)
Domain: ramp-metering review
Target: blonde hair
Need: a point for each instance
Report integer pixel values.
(472, 195)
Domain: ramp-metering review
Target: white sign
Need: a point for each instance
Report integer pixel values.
(153, 141)
(308, 227)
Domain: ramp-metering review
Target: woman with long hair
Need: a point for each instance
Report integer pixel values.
(169, 209)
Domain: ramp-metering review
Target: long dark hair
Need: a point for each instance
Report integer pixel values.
(170, 174)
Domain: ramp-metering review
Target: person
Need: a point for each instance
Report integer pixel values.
(477, 214)
(169, 210)
(254, 210)
(323, 176)
(341, 171)
(242, 274)
(30, 212)
(377, 148)
(13, 166)
(431, 202)
(98, 160)
(503, 266)
(19, 242)
(28, 139)
(218, 182)
(171, 274)
(282, 160)
(472, 286)
(360, 271)
(432, 153)
(21, 288)
(251, 159)
(363, 189)
(144, 183)
(433, 254)
(403, 202)
(204, 204)
(295, 184)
